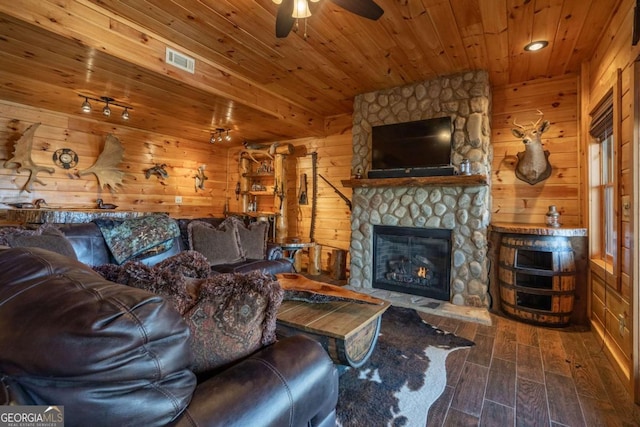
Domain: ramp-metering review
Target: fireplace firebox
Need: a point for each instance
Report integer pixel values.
(412, 260)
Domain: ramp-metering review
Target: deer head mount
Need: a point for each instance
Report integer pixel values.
(533, 163)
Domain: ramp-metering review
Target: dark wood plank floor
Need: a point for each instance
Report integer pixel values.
(522, 375)
(526, 376)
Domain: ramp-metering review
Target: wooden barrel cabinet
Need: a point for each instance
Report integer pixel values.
(537, 278)
(537, 273)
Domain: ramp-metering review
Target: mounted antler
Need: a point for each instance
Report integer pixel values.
(541, 114)
(21, 159)
(106, 166)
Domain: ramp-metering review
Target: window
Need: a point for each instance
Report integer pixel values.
(603, 177)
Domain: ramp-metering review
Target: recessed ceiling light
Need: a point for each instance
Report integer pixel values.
(536, 45)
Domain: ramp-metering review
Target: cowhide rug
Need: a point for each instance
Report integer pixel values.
(405, 374)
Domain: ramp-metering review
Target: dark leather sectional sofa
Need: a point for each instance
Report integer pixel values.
(115, 355)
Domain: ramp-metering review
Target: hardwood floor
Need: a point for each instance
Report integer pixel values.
(522, 375)
(526, 376)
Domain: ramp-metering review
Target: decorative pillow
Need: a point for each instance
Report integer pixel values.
(234, 316)
(8, 233)
(253, 239)
(177, 278)
(47, 237)
(219, 245)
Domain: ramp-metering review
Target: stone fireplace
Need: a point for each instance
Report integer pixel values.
(457, 204)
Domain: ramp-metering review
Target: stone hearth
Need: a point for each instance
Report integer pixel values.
(463, 209)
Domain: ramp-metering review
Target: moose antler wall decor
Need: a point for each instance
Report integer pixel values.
(106, 166)
(21, 160)
(533, 163)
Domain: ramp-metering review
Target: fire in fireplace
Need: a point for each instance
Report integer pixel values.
(412, 260)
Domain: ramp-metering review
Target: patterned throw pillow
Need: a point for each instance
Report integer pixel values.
(220, 245)
(234, 316)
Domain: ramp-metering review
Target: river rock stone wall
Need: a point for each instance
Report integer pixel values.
(466, 98)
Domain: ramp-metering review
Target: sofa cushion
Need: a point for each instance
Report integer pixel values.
(234, 316)
(47, 237)
(89, 344)
(253, 239)
(220, 245)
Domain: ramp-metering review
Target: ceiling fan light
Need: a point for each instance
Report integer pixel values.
(301, 9)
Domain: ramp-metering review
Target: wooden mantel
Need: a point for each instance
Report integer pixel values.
(434, 181)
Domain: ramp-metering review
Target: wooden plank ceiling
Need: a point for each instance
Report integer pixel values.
(264, 88)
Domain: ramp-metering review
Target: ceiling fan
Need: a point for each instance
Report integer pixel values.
(291, 10)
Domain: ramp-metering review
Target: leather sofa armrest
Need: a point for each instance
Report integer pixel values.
(274, 251)
(290, 383)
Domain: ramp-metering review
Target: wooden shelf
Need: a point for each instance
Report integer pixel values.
(441, 181)
(260, 193)
(258, 175)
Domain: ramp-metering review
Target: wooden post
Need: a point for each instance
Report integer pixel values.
(244, 184)
(339, 258)
(280, 176)
(315, 252)
(297, 261)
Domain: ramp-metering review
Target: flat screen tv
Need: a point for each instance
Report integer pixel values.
(419, 148)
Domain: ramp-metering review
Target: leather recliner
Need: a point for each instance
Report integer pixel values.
(114, 355)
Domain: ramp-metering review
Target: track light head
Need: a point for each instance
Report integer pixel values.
(125, 114)
(86, 106)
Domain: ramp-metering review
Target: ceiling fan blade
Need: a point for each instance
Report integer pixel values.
(284, 19)
(365, 8)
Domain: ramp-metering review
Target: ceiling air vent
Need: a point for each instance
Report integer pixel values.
(180, 60)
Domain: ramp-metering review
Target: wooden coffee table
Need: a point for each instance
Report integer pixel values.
(348, 330)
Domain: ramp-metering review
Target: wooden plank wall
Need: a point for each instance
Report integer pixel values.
(513, 200)
(64, 189)
(613, 290)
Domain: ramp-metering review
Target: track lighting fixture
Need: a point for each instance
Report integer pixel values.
(106, 110)
(217, 135)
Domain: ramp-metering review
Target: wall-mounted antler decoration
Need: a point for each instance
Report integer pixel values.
(21, 160)
(106, 166)
(533, 163)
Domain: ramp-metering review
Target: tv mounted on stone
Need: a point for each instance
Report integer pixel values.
(412, 149)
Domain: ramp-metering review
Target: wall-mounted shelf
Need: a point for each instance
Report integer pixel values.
(441, 181)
